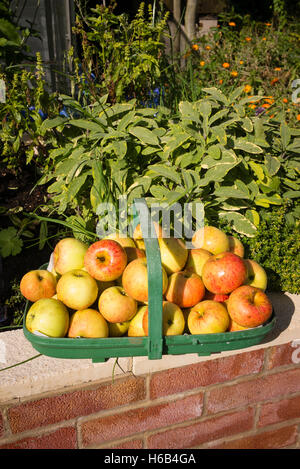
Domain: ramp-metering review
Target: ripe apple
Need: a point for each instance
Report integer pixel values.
(117, 329)
(138, 235)
(77, 289)
(173, 319)
(208, 317)
(216, 296)
(105, 260)
(48, 316)
(136, 324)
(256, 275)
(116, 306)
(196, 260)
(129, 245)
(68, 255)
(185, 289)
(88, 323)
(234, 326)
(212, 239)
(236, 246)
(173, 254)
(135, 279)
(224, 272)
(37, 284)
(125, 242)
(249, 306)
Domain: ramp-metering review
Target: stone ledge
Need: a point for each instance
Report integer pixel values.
(45, 374)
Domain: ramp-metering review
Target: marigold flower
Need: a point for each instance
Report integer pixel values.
(234, 73)
(277, 69)
(241, 62)
(195, 47)
(298, 117)
(220, 81)
(271, 117)
(285, 100)
(268, 24)
(207, 47)
(264, 38)
(247, 88)
(248, 39)
(269, 100)
(225, 65)
(274, 81)
(202, 63)
(252, 106)
(232, 23)
(266, 105)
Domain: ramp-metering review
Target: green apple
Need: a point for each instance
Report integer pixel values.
(256, 275)
(48, 316)
(212, 239)
(173, 254)
(68, 255)
(117, 329)
(77, 289)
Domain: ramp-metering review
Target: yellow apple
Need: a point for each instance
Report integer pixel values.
(116, 306)
(173, 319)
(88, 323)
(208, 317)
(256, 275)
(236, 246)
(212, 239)
(48, 316)
(125, 242)
(37, 284)
(196, 260)
(173, 254)
(135, 280)
(77, 289)
(136, 324)
(117, 329)
(68, 255)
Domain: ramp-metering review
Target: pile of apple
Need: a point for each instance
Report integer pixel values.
(101, 290)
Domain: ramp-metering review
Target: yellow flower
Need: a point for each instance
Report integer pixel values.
(277, 69)
(226, 65)
(241, 62)
(268, 24)
(247, 88)
(195, 47)
(232, 23)
(202, 63)
(207, 47)
(252, 106)
(248, 39)
(234, 73)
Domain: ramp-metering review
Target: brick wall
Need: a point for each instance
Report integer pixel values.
(247, 400)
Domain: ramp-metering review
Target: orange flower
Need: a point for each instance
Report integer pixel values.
(274, 81)
(252, 106)
(268, 24)
(195, 47)
(232, 23)
(221, 81)
(207, 47)
(269, 100)
(234, 73)
(298, 117)
(247, 88)
(277, 69)
(241, 62)
(271, 117)
(266, 105)
(225, 65)
(202, 63)
(285, 100)
(248, 39)
(264, 38)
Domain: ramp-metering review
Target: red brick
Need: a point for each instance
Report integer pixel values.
(132, 444)
(205, 373)
(1, 425)
(63, 438)
(279, 411)
(273, 439)
(113, 427)
(66, 406)
(282, 355)
(206, 430)
(253, 390)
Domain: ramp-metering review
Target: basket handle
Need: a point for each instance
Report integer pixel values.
(155, 280)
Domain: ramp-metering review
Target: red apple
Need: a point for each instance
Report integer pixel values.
(105, 260)
(196, 260)
(221, 297)
(236, 246)
(38, 284)
(233, 326)
(249, 306)
(208, 317)
(135, 279)
(224, 272)
(173, 319)
(116, 306)
(185, 289)
(212, 239)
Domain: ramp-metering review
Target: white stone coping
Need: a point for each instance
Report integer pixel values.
(48, 375)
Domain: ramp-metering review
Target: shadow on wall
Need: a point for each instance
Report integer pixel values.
(284, 309)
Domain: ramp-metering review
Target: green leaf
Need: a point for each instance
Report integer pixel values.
(291, 194)
(249, 147)
(218, 115)
(51, 123)
(219, 133)
(257, 169)
(285, 135)
(10, 243)
(240, 223)
(166, 172)
(231, 191)
(188, 111)
(247, 124)
(144, 135)
(272, 164)
(216, 94)
(86, 124)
